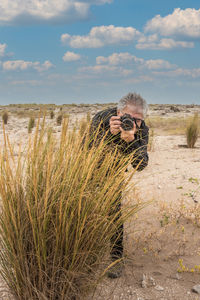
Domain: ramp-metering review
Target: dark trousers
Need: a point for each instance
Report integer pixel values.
(116, 240)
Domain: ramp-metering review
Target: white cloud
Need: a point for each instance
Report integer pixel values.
(180, 23)
(154, 43)
(124, 65)
(12, 65)
(153, 64)
(118, 58)
(105, 69)
(56, 11)
(44, 67)
(2, 49)
(71, 56)
(127, 58)
(97, 2)
(17, 64)
(101, 36)
(142, 78)
(193, 73)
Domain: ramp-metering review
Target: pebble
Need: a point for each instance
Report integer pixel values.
(157, 273)
(178, 277)
(148, 281)
(196, 288)
(152, 281)
(159, 288)
(144, 281)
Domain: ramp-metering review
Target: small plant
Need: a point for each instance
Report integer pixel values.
(193, 180)
(165, 220)
(5, 117)
(31, 124)
(59, 119)
(52, 114)
(183, 268)
(192, 131)
(145, 250)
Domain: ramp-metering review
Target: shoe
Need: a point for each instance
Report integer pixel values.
(115, 271)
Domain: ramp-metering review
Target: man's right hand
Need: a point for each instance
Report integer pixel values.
(115, 124)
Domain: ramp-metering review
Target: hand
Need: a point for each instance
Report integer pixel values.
(128, 135)
(115, 124)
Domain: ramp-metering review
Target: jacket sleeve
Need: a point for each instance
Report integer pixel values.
(139, 149)
(97, 129)
(97, 121)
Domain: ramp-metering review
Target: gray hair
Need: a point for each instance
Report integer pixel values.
(134, 100)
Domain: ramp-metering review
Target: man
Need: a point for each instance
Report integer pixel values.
(133, 139)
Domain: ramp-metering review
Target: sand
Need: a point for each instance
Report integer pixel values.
(164, 231)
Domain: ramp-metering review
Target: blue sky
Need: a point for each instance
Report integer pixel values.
(89, 51)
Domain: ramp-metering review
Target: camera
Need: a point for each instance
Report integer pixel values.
(127, 122)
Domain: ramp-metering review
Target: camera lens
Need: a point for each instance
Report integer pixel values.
(127, 122)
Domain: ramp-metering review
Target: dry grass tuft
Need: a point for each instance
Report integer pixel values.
(52, 114)
(5, 117)
(57, 213)
(31, 124)
(59, 119)
(192, 131)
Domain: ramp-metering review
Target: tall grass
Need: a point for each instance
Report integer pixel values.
(57, 213)
(192, 131)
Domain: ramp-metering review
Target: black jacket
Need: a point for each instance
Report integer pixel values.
(138, 146)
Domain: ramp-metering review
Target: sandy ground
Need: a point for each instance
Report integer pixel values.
(160, 234)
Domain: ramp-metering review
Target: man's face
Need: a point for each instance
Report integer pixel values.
(132, 111)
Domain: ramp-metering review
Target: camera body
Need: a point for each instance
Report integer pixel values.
(128, 122)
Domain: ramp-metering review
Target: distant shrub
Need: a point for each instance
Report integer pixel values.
(151, 140)
(52, 114)
(5, 117)
(59, 119)
(31, 124)
(192, 131)
(88, 118)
